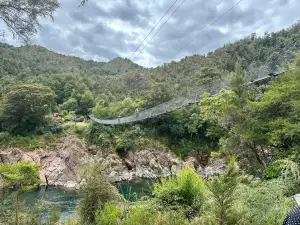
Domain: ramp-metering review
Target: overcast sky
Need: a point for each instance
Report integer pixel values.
(106, 29)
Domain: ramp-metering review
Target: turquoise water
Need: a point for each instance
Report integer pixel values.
(67, 200)
(134, 190)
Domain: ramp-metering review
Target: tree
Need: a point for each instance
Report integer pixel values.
(223, 196)
(96, 192)
(22, 176)
(25, 107)
(21, 17)
(237, 83)
(69, 105)
(278, 112)
(85, 102)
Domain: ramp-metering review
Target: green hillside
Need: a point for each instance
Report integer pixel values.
(37, 60)
(254, 130)
(142, 87)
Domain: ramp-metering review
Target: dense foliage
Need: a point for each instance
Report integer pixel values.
(230, 198)
(22, 176)
(258, 125)
(25, 108)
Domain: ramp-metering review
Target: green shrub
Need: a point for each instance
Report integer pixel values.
(139, 214)
(55, 126)
(266, 202)
(171, 218)
(96, 192)
(5, 138)
(109, 215)
(185, 190)
(124, 144)
(100, 135)
(273, 170)
(28, 142)
(222, 197)
(79, 130)
(69, 117)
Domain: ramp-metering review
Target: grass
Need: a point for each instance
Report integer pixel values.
(29, 142)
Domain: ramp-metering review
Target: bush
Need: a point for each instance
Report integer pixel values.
(97, 134)
(96, 192)
(109, 215)
(185, 190)
(79, 130)
(79, 119)
(124, 145)
(4, 138)
(55, 127)
(139, 213)
(266, 202)
(69, 117)
(272, 171)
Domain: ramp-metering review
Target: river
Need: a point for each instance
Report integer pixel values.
(67, 200)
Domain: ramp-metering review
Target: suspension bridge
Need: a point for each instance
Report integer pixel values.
(180, 102)
(174, 104)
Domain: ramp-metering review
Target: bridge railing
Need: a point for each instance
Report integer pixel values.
(169, 106)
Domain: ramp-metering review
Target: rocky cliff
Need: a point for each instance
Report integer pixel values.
(61, 164)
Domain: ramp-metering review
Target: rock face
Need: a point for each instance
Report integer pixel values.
(61, 165)
(143, 164)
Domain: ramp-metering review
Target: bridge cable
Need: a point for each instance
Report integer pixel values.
(161, 27)
(153, 28)
(206, 28)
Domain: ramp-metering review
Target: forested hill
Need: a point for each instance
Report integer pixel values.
(37, 60)
(126, 83)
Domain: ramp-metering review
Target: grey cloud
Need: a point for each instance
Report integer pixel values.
(106, 29)
(129, 11)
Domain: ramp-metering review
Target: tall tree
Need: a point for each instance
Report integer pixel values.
(237, 83)
(26, 106)
(222, 192)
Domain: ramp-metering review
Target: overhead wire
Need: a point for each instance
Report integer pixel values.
(161, 27)
(153, 28)
(206, 28)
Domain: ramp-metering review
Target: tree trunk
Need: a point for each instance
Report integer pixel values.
(257, 156)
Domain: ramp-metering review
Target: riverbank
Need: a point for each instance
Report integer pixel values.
(61, 165)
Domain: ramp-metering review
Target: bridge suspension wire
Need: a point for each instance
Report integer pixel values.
(174, 104)
(153, 28)
(205, 29)
(161, 27)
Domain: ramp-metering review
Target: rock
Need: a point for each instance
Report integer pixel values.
(71, 185)
(214, 167)
(128, 164)
(192, 162)
(60, 165)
